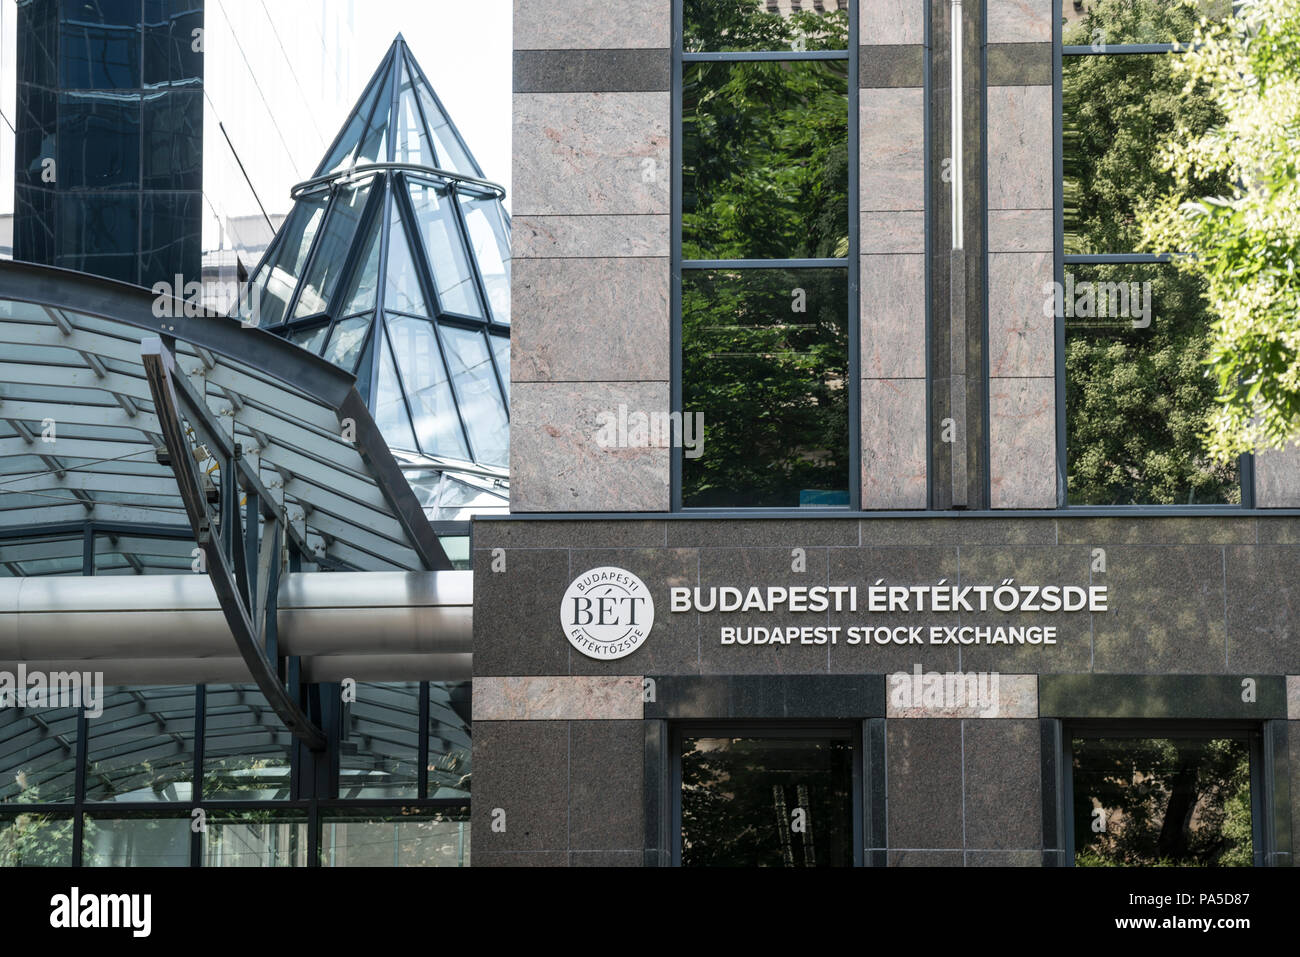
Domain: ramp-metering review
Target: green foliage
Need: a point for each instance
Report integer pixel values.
(1167, 802)
(1243, 239)
(770, 383)
(1137, 400)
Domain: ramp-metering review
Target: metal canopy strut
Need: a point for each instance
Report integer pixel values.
(234, 559)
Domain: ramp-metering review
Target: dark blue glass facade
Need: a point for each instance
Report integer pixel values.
(110, 137)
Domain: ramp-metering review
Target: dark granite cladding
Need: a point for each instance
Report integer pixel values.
(1263, 588)
(592, 71)
(1003, 779)
(767, 696)
(521, 768)
(1019, 64)
(924, 781)
(605, 810)
(506, 638)
(881, 66)
(1160, 696)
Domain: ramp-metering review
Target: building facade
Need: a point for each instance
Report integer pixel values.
(847, 526)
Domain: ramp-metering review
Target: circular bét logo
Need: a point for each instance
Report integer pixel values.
(607, 613)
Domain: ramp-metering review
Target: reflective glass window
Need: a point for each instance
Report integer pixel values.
(366, 280)
(379, 752)
(100, 45)
(296, 237)
(451, 154)
(135, 841)
(141, 748)
(336, 238)
(412, 837)
(35, 839)
(1103, 23)
(99, 141)
(425, 376)
(765, 160)
(246, 747)
(311, 338)
(171, 235)
(762, 25)
(449, 732)
(173, 140)
(767, 801)
(255, 839)
(391, 415)
(479, 395)
(38, 755)
(489, 237)
(170, 56)
(764, 388)
(346, 342)
(1172, 802)
(452, 277)
(501, 349)
(99, 233)
(1136, 394)
(401, 282)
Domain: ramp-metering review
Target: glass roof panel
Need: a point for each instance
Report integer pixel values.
(451, 154)
(345, 345)
(281, 275)
(490, 242)
(411, 141)
(336, 238)
(425, 375)
(401, 282)
(390, 408)
(364, 283)
(344, 150)
(480, 397)
(452, 277)
(310, 339)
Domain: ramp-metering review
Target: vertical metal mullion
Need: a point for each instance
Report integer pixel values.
(424, 274)
(79, 789)
(854, 343)
(675, 263)
(1058, 274)
(423, 753)
(197, 838)
(88, 549)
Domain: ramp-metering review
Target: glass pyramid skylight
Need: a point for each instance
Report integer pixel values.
(395, 265)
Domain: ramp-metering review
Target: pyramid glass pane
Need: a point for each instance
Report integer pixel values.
(346, 342)
(366, 281)
(390, 408)
(436, 420)
(336, 239)
(451, 154)
(480, 397)
(411, 141)
(401, 282)
(310, 339)
(288, 257)
(489, 239)
(342, 155)
(452, 277)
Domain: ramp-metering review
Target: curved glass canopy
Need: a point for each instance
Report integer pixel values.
(394, 264)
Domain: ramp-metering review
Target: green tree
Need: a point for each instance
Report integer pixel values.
(1137, 399)
(1243, 238)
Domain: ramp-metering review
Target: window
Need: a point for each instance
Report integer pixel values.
(1167, 797)
(766, 797)
(119, 783)
(767, 248)
(1133, 330)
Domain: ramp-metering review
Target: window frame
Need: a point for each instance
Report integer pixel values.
(851, 263)
(1251, 732)
(1246, 462)
(851, 731)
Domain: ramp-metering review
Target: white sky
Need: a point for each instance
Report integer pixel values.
(282, 120)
